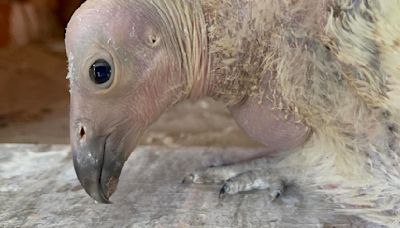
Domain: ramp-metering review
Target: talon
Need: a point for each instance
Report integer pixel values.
(275, 194)
(188, 179)
(222, 191)
(183, 181)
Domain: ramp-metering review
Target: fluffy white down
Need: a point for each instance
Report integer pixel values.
(335, 65)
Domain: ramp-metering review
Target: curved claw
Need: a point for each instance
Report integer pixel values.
(188, 179)
(275, 194)
(222, 191)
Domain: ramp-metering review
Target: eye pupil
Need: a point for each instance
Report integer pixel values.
(100, 71)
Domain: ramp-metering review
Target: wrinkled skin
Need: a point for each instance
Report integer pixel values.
(107, 120)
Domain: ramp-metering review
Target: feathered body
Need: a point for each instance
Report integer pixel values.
(335, 66)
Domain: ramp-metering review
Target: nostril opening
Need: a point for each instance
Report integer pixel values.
(82, 132)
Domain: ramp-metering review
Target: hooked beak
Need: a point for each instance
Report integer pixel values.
(97, 165)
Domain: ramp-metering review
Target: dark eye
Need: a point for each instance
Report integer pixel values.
(100, 72)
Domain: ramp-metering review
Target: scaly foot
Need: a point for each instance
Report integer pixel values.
(244, 177)
(254, 180)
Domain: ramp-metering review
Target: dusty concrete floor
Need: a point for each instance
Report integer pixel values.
(39, 189)
(34, 106)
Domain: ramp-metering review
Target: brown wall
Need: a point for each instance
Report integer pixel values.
(23, 21)
(4, 23)
(65, 9)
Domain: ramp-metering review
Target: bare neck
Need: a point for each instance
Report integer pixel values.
(185, 21)
(221, 45)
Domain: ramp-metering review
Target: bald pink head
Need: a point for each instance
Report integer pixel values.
(125, 69)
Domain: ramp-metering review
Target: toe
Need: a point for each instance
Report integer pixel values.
(222, 191)
(275, 194)
(188, 179)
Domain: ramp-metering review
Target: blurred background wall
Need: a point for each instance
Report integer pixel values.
(34, 97)
(23, 21)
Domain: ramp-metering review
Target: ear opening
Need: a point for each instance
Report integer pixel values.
(153, 40)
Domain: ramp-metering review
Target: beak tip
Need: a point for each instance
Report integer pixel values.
(93, 188)
(98, 176)
(98, 195)
(101, 200)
